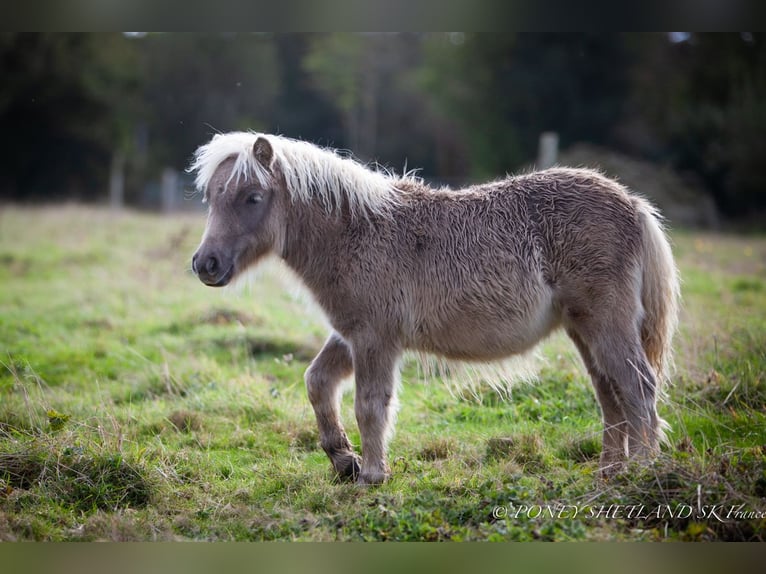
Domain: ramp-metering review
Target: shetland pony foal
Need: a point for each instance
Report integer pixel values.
(475, 274)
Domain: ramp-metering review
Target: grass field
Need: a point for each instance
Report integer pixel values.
(137, 404)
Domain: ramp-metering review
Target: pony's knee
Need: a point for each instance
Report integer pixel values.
(315, 384)
(322, 384)
(328, 369)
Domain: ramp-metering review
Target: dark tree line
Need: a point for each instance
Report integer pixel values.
(460, 106)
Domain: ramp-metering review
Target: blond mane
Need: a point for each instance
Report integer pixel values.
(312, 173)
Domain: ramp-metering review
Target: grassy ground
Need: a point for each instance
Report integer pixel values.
(136, 404)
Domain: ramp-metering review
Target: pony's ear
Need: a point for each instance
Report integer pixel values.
(263, 152)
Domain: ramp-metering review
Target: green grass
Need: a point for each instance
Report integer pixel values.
(137, 404)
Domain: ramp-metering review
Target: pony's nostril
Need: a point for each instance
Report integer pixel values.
(194, 263)
(211, 266)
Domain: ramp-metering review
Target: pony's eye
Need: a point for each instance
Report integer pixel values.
(254, 198)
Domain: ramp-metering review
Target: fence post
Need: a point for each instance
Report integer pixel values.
(168, 189)
(117, 182)
(548, 151)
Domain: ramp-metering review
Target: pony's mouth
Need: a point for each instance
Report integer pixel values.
(222, 281)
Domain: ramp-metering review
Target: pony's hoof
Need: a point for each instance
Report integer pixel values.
(610, 469)
(372, 478)
(348, 468)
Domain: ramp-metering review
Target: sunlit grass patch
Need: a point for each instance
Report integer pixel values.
(136, 404)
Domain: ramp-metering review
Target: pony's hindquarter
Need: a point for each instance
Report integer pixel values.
(616, 286)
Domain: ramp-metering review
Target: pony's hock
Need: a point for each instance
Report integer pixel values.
(475, 274)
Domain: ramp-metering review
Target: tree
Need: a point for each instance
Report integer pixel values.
(346, 69)
(65, 104)
(195, 85)
(500, 91)
(704, 101)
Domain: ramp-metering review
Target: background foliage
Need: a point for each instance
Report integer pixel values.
(460, 106)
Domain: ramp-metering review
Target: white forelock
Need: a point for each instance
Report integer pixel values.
(312, 173)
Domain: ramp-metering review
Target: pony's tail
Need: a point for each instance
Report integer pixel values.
(660, 293)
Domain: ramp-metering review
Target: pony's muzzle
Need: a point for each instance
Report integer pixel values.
(210, 269)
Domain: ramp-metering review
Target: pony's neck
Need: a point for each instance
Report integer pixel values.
(310, 234)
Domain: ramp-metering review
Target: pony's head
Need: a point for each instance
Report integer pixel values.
(245, 193)
(251, 180)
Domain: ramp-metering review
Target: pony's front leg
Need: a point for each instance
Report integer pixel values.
(323, 378)
(375, 405)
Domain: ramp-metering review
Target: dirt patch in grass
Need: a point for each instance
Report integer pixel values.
(228, 317)
(260, 347)
(185, 421)
(525, 449)
(581, 449)
(437, 449)
(16, 266)
(288, 350)
(80, 480)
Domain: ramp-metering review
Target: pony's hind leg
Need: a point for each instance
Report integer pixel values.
(640, 399)
(323, 383)
(614, 449)
(619, 355)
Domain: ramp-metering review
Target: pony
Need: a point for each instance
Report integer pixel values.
(475, 274)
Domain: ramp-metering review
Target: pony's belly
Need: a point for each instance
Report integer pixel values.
(482, 338)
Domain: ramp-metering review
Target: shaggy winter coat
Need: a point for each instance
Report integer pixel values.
(476, 274)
